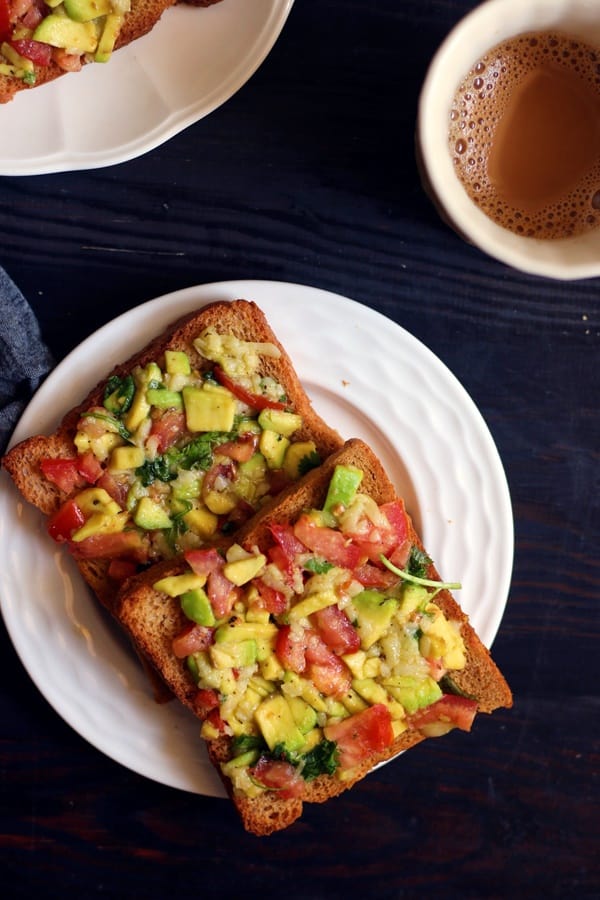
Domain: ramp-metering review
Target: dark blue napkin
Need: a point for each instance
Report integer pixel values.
(24, 358)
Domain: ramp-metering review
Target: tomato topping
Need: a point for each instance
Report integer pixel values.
(327, 671)
(129, 544)
(256, 401)
(205, 701)
(290, 649)
(89, 467)
(204, 561)
(459, 712)
(64, 473)
(371, 576)
(366, 732)
(242, 449)
(192, 639)
(337, 630)
(270, 598)
(120, 569)
(65, 521)
(279, 776)
(328, 543)
(36, 51)
(5, 26)
(117, 490)
(167, 429)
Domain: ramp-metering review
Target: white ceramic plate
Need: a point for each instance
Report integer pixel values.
(369, 378)
(189, 64)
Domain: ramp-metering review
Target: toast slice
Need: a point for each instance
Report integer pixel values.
(19, 73)
(166, 459)
(351, 666)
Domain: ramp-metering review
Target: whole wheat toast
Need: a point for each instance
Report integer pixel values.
(154, 620)
(242, 319)
(142, 17)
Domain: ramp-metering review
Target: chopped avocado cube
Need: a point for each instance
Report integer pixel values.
(177, 362)
(276, 722)
(374, 613)
(60, 31)
(86, 10)
(294, 464)
(176, 585)
(150, 516)
(285, 423)
(112, 28)
(101, 523)
(414, 596)
(271, 668)
(312, 604)
(238, 630)
(123, 458)
(413, 693)
(273, 447)
(239, 762)
(94, 500)
(240, 571)
(202, 522)
(304, 715)
(220, 502)
(196, 606)
(164, 399)
(207, 410)
(233, 655)
(342, 489)
(138, 411)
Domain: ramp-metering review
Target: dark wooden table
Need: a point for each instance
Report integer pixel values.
(308, 175)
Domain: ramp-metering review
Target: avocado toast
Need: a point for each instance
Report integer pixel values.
(317, 643)
(175, 447)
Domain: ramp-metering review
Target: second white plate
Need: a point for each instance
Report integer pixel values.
(192, 61)
(369, 378)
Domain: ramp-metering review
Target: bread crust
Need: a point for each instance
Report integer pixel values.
(143, 16)
(153, 621)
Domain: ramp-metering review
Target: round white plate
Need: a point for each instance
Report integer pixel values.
(192, 61)
(369, 378)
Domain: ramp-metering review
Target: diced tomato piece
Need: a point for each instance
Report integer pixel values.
(205, 701)
(395, 513)
(279, 776)
(221, 593)
(271, 599)
(255, 401)
(290, 647)
(64, 473)
(115, 489)
(214, 717)
(242, 449)
(371, 576)
(204, 561)
(459, 712)
(366, 732)
(337, 630)
(121, 569)
(192, 639)
(37, 52)
(5, 26)
(332, 545)
(284, 554)
(128, 544)
(327, 671)
(167, 429)
(65, 521)
(89, 467)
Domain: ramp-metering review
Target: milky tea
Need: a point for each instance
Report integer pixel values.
(524, 134)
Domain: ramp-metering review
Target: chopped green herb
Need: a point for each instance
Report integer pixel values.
(449, 686)
(118, 394)
(117, 426)
(245, 742)
(317, 565)
(308, 462)
(321, 760)
(415, 579)
(418, 562)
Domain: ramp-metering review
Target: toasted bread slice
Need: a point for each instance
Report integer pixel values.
(142, 17)
(241, 319)
(154, 620)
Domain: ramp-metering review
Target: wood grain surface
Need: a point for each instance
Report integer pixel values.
(308, 175)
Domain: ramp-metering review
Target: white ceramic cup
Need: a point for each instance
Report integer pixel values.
(486, 26)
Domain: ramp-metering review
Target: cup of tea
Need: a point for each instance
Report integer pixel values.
(508, 134)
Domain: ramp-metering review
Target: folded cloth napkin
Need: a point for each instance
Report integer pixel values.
(24, 358)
